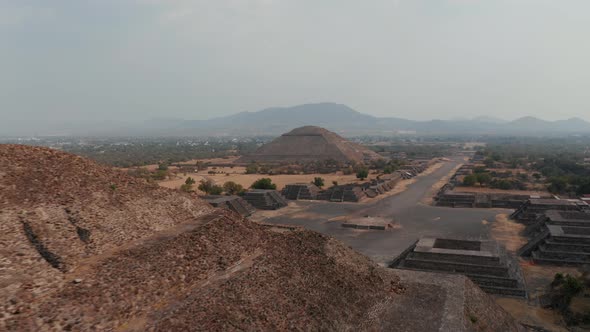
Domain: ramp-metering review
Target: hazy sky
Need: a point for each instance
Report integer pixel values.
(419, 59)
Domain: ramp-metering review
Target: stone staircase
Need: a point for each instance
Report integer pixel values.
(497, 273)
(560, 245)
(265, 199)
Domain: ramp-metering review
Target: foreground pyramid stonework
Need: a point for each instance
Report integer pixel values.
(309, 144)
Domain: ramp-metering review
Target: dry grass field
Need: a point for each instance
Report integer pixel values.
(238, 175)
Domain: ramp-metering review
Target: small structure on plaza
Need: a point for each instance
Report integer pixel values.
(297, 191)
(233, 203)
(344, 193)
(483, 261)
(264, 199)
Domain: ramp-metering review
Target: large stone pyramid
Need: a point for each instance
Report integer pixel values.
(308, 144)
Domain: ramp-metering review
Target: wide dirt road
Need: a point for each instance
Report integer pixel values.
(411, 218)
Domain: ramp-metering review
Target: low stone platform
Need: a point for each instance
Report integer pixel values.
(567, 218)
(483, 261)
(532, 209)
(345, 193)
(559, 245)
(234, 203)
(297, 191)
(366, 227)
(451, 198)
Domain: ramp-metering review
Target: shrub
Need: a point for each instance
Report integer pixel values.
(160, 175)
(216, 190)
(186, 187)
(362, 174)
(264, 183)
(469, 180)
(319, 182)
(232, 188)
(208, 187)
(252, 169)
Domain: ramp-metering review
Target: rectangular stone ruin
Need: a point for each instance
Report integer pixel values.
(265, 199)
(483, 261)
(450, 198)
(567, 218)
(532, 209)
(344, 193)
(559, 245)
(456, 199)
(369, 227)
(508, 201)
(234, 203)
(297, 191)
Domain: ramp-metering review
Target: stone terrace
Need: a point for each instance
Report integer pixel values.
(532, 209)
(265, 199)
(560, 241)
(484, 262)
(234, 203)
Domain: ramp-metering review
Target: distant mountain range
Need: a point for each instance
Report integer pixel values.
(339, 118)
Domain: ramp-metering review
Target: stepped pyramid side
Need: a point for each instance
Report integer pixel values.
(484, 262)
(560, 238)
(300, 191)
(309, 143)
(265, 199)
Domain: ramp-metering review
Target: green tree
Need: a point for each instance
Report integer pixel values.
(188, 185)
(216, 190)
(362, 173)
(162, 166)
(319, 182)
(160, 175)
(479, 169)
(252, 169)
(469, 180)
(232, 188)
(264, 183)
(201, 165)
(206, 186)
(557, 184)
(483, 178)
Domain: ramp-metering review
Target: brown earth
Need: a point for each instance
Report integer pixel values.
(87, 248)
(237, 175)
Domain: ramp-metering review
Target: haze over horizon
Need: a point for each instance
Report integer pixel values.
(70, 62)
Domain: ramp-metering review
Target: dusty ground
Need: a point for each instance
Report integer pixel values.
(507, 232)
